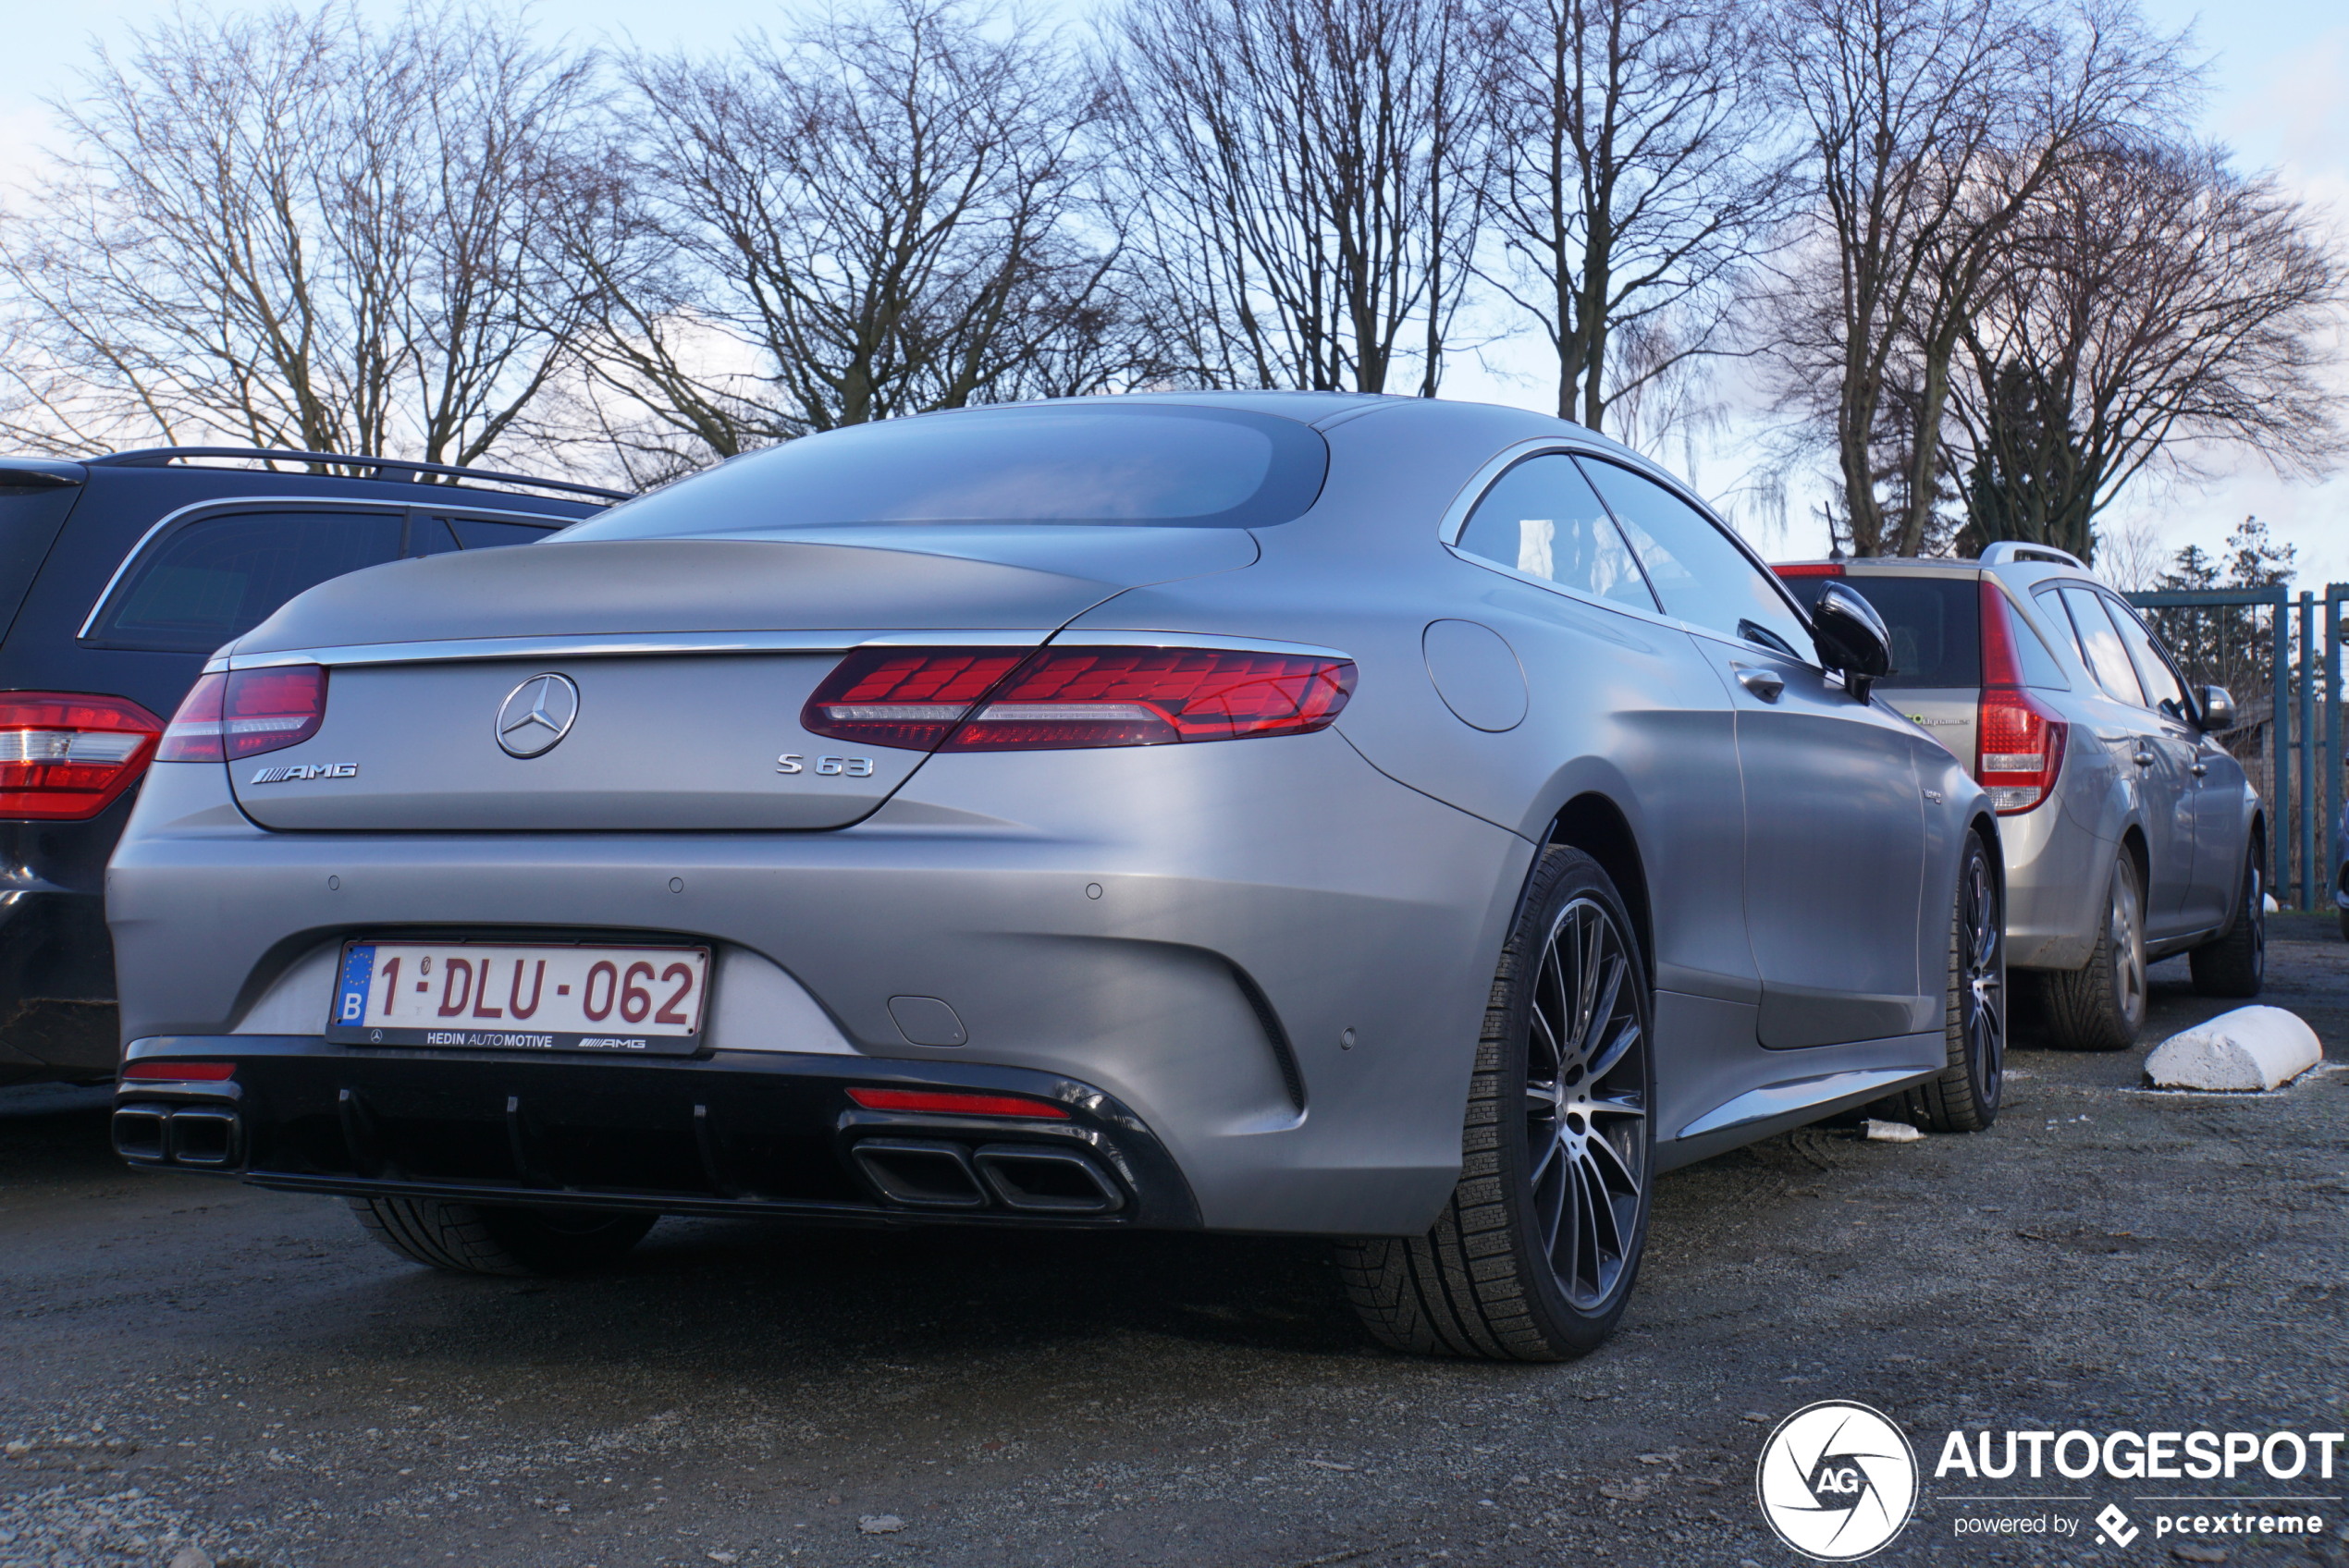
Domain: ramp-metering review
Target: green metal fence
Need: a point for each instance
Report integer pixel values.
(2262, 644)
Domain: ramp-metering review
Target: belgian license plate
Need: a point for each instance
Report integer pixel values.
(489, 996)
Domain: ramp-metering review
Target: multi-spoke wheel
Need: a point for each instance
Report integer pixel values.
(1965, 1098)
(2101, 1005)
(1586, 1099)
(1534, 1257)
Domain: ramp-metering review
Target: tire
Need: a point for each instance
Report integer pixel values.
(464, 1239)
(1965, 1097)
(2236, 964)
(1535, 1254)
(2101, 1005)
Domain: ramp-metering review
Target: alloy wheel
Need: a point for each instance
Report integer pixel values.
(2128, 947)
(1986, 1017)
(1586, 1104)
(2257, 914)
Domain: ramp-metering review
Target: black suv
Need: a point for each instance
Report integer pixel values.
(119, 576)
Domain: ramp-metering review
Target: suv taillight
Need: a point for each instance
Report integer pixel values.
(2018, 739)
(245, 712)
(990, 700)
(64, 757)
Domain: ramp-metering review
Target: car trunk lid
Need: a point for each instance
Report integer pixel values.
(679, 670)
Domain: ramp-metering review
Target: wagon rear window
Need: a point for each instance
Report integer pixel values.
(1148, 464)
(1935, 624)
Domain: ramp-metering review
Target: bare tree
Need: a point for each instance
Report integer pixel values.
(2148, 303)
(1635, 167)
(292, 229)
(875, 215)
(1932, 124)
(1299, 184)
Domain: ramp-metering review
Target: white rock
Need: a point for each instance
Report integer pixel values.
(881, 1523)
(1889, 1132)
(2249, 1050)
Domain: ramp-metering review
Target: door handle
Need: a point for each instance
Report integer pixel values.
(2199, 768)
(1764, 684)
(2143, 758)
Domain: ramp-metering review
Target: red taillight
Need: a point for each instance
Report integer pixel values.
(1809, 568)
(64, 757)
(956, 1104)
(2018, 739)
(985, 700)
(246, 713)
(182, 1071)
(905, 697)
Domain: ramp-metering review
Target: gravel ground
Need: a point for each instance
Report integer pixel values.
(192, 1371)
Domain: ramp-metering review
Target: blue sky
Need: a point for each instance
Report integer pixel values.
(2280, 97)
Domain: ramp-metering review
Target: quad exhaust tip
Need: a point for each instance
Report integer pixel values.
(191, 1135)
(932, 1173)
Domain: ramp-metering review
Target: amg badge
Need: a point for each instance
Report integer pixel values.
(306, 770)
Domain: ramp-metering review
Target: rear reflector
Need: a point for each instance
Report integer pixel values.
(65, 756)
(245, 712)
(182, 1071)
(986, 700)
(2018, 739)
(1809, 568)
(956, 1104)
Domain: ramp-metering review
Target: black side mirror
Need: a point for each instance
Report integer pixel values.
(1852, 638)
(2217, 707)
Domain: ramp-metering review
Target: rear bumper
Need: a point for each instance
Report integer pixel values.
(737, 1132)
(57, 1013)
(58, 1017)
(1276, 958)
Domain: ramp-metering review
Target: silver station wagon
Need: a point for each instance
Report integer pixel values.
(1414, 823)
(2130, 834)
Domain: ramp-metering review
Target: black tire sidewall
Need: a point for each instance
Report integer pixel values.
(1562, 877)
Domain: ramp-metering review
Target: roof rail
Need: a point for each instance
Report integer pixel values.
(2007, 550)
(384, 468)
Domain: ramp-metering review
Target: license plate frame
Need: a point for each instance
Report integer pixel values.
(476, 1024)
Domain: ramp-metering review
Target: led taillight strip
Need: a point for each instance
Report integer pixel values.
(1054, 698)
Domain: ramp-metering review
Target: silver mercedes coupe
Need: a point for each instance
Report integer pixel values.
(1416, 823)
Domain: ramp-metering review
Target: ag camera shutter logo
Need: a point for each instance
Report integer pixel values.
(1837, 1480)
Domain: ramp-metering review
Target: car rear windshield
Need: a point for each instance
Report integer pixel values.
(1151, 464)
(1935, 624)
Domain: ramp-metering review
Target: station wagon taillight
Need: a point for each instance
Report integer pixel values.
(64, 757)
(2018, 739)
(992, 700)
(245, 712)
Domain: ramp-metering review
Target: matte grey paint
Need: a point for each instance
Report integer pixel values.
(1285, 969)
(927, 1021)
(1476, 673)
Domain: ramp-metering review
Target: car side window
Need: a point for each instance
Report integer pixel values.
(487, 534)
(1543, 517)
(219, 577)
(439, 535)
(2100, 644)
(1698, 574)
(2039, 666)
(2160, 682)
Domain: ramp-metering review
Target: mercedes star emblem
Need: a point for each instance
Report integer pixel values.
(538, 714)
